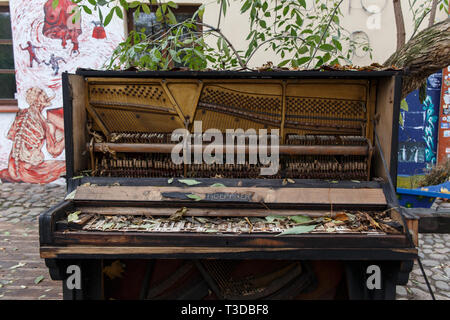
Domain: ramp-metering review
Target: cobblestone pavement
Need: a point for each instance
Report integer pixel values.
(23, 274)
(21, 266)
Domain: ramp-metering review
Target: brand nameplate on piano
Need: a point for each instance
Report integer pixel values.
(226, 196)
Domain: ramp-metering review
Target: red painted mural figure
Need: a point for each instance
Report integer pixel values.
(29, 132)
(58, 23)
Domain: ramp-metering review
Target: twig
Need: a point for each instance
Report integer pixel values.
(324, 32)
(271, 39)
(241, 63)
(220, 14)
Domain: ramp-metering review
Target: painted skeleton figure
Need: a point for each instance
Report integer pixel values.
(29, 132)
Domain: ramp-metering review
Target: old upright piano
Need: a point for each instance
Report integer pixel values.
(141, 226)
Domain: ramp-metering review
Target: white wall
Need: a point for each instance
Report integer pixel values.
(383, 40)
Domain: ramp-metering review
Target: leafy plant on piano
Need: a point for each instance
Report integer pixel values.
(303, 37)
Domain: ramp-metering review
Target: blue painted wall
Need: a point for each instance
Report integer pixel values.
(418, 132)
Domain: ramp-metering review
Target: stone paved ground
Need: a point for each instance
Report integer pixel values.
(21, 266)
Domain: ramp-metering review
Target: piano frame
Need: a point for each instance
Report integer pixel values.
(394, 253)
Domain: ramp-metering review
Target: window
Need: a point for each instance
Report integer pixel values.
(7, 74)
(152, 26)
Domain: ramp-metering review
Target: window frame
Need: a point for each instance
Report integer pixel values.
(189, 8)
(183, 8)
(7, 105)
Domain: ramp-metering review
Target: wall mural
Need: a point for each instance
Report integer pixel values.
(418, 133)
(46, 43)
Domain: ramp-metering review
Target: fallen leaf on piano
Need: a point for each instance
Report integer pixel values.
(170, 181)
(77, 177)
(298, 230)
(189, 182)
(356, 181)
(73, 216)
(194, 197)
(218, 185)
(271, 219)
(341, 217)
(300, 219)
(290, 181)
(334, 181)
(108, 225)
(284, 182)
(71, 195)
(115, 270)
(38, 279)
(178, 214)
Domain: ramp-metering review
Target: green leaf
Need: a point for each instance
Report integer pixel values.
(337, 44)
(170, 181)
(303, 60)
(298, 230)
(108, 18)
(283, 63)
(71, 195)
(263, 24)
(247, 4)
(300, 219)
(194, 197)
(87, 10)
(73, 216)
(189, 182)
(146, 8)
(119, 12)
(218, 185)
(326, 47)
(93, 2)
(55, 4)
(404, 105)
(38, 279)
(172, 4)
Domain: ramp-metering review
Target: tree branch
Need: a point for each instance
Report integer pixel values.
(425, 54)
(433, 13)
(401, 33)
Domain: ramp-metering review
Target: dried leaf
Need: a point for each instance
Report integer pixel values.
(298, 230)
(115, 270)
(73, 216)
(71, 195)
(218, 185)
(194, 197)
(273, 218)
(108, 225)
(341, 217)
(38, 279)
(290, 181)
(178, 214)
(189, 182)
(20, 264)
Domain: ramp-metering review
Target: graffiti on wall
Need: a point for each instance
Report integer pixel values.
(418, 132)
(47, 41)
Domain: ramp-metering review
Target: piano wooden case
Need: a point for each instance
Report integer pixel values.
(127, 201)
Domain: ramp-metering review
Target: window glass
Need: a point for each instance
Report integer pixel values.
(6, 56)
(5, 26)
(8, 87)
